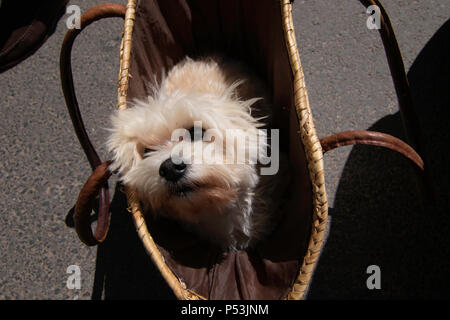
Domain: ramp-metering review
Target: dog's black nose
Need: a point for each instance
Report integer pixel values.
(172, 171)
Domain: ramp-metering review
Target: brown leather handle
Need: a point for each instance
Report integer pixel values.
(401, 84)
(96, 13)
(409, 117)
(387, 141)
(97, 184)
(372, 138)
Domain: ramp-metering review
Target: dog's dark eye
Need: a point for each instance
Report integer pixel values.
(192, 132)
(147, 151)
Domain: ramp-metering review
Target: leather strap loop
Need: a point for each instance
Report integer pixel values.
(97, 184)
(83, 208)
(401, 84)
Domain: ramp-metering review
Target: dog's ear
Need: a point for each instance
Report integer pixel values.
(127, 126)
(122, 143)
(125, 154)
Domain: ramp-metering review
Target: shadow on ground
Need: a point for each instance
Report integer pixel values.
(378, 218)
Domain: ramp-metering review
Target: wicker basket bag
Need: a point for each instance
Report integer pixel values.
(158, 34)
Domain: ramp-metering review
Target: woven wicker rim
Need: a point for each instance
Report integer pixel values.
(311, 146)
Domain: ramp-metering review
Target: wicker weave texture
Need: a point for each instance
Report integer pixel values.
(314, 158)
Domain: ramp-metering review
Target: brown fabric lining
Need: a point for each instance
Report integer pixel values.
(251, 31)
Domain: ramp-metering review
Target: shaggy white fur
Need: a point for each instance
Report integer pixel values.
(216, 198)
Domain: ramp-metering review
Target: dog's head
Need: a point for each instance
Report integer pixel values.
(188, 152)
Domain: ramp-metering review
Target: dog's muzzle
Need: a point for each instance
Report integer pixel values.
(171, 171)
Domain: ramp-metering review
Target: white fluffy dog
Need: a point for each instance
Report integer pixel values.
(193, 110)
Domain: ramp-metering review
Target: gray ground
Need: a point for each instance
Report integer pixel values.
(375, 207)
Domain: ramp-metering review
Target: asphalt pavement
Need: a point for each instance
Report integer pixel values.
(376, 214)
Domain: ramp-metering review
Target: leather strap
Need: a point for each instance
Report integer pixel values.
(372, 138)
(401, 84)
(97, 184)
(96, 13)
(83, 208)
(409, 117)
